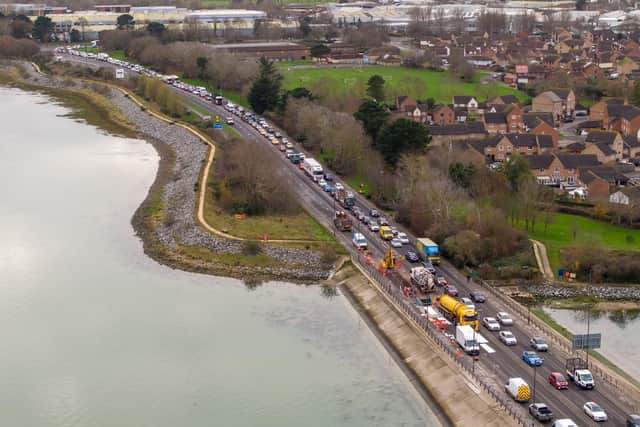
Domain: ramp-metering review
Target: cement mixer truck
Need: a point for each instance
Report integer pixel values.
(422, 278)
(454, 309)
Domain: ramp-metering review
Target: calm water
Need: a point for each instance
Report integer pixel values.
(620, 333)
(93, 333)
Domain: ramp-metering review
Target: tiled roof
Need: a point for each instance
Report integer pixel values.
(495, 118)
(601, 137)
(458, 129)
(574, 161)
(540, 161)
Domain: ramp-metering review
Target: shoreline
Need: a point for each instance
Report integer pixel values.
(165, 221)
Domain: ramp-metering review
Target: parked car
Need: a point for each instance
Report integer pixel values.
(531, 358)
(411, 256)
(477, 296)
(594, 411)
(540, 412)
(504, 318)
(539, 344)
(558, 380)
(507, 338)
(451, 290)
(491, 323)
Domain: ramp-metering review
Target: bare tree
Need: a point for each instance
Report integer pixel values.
(457, 20)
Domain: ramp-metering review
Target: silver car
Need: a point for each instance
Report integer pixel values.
(507, 338)
(504, 318)
(491, 323)
(373, 226)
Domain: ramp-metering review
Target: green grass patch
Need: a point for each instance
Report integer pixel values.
(231, 96)
(227, 3)
(419, 84)
(293, 63)
(589, 233)
(234, 260)
(119, 54)
(355, 181)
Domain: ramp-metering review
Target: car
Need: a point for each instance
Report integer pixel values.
(395, 243)
(365, 220)
(491, 323)
(289, 153)
(321, 182)
(328, 177)
(282, 148)
(288, 144)
(374, 213)
(451, 290)
(540, 412)
(326, 188)
(477, 296)
(278, 135)
(430, 268)
(339, 186)
(594, 411)
(411, 256)
(394, 230)
(531, 358)
(285, 140)
(633, 420)
(359, 215)
(504, 318)
(539, 344)
(468, 303)
(507, 338)
(373, 226)
(441, 281)
(558, 380)
(403, 238)
(383, 221)
(564, 422)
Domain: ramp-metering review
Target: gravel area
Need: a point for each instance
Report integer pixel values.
(179, 195)
(603, 292)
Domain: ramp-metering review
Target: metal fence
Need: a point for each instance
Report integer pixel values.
(393, 292)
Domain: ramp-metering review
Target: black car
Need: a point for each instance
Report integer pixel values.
(540, 412)
(477, 296)
(411, 256)
(374, 213)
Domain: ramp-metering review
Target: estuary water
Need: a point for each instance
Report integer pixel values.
(94, 333)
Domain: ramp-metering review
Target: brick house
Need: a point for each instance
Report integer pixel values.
(442, 115)
(503, 99)
(468, 102)
(608, 146)
(559, 169)
(597, 187)
(602, 151)
(514, 120)
(631, 146)
(538, 124)
(441, 135)
(617, 116)
(495, 122)
(501, 147)
(559, 102)
(405, 104)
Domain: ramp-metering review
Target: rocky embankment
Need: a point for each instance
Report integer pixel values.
(613, 293)
(179, 226)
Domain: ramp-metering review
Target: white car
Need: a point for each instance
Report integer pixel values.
(491, 323)
(403, 238)
(373, 226)
(321, 182)
(504, 318)
(339, 186)
(468, 303)
(396, 243)
(507, 338)
(230, 121)
(593, 410)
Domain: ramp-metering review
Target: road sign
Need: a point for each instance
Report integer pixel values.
(217, 124)
(586, 341)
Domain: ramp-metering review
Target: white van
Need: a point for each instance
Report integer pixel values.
(518, 389)
(564, 422)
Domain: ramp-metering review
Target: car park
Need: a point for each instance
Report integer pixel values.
(477, 296)
(539, 344)
(531, 358)
(412, 257)
(540, 412)
(504, 318)
(594, 411)
(507, 338)
(491, 323)
(403, 238)
(558, 380)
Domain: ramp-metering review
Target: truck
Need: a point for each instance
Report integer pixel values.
(422, 278)
(455, 309)
(577, 372)
(312, 168)
(345, 198)
(386, 233)
(466, 339)
(218, 100)
(342, 221)
(428, 250)
(359, 241)
(518, 389)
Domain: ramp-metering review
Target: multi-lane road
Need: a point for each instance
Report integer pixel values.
(500, 361)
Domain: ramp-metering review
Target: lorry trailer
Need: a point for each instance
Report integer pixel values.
(428, 250)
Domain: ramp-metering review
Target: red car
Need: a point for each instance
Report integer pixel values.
(451, 290)
(441, 281)
(558, 380)
(282, 148)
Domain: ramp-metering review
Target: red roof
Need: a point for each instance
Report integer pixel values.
(522, 69)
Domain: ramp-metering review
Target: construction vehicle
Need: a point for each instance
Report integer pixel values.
(386, 233)
(455, 309)
(342, 221)
(577, 372)
(423, 279)
(466, 339)
(345, 198)
(428, 250)
(389, 260)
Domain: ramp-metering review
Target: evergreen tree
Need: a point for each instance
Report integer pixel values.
(375, 87)
(42, 28)
(373, 116)
(265, 91)
(400, 137)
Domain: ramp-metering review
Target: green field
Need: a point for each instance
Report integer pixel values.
(419, 84)
(283, 64)
(119, 54)
(589, 233)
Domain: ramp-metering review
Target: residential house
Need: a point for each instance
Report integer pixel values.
(540, 124)
(617, 116)
(501, 147)
(514, 120)
(405, 104)
(461, 114)
(631, 146)
(442, 115)
(596, 182)
(441, 135)
(608, 146)
(495, 122)
(503, 100)
(629, 196)
(559, 169)
(558, 102)
(627, 65)
(468, 102)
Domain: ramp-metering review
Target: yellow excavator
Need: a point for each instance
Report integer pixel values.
(389, 260)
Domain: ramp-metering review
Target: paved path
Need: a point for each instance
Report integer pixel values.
(540, 251)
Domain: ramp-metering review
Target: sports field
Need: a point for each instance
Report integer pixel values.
(418, 84)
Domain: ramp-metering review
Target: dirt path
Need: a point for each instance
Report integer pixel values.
(540, 251)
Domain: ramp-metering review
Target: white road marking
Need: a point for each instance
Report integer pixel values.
(487, 348)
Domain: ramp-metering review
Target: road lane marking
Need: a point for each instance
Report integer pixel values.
(486, 348)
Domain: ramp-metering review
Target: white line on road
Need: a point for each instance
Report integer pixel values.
(486, 348)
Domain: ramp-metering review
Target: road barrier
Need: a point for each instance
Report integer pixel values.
(393, 293)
